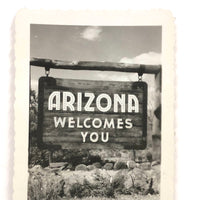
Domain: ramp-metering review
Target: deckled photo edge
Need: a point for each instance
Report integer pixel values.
(26, 17)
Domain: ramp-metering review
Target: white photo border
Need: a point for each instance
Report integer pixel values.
(26, 17)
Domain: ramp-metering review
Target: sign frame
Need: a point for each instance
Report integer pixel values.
(46, 82)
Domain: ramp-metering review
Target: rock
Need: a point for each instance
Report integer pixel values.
(143, 156)
(77, 177)
(108, 166)
(97, 164)
(42, 184)
(37, 169)
(145, 166)
(91, 167)
(156, 162)
(81, 167)
(120, 165)
(69, 167)
(131, 164)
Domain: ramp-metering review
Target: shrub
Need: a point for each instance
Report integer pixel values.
(118, 183)
(101, 188)
(33, 104)
(35, 188)
(78, 190)
(42, 187)
(131, 164)
(38, 157)
(109, 191)
(91, 167)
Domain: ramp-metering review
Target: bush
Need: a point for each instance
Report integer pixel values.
(102, 188)
(118, 183)
(33, 111)
(109, 191)
(79, 190)
(42, 187)
(38, 157)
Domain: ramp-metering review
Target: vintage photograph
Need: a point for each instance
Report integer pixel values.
(95, 112)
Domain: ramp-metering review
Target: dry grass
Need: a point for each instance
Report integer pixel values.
(46, 184)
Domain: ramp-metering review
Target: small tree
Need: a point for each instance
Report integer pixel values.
(33, 111)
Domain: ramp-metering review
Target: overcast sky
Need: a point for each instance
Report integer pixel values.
(129, 44)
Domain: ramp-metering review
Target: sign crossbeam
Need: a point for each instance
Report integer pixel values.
(93, 65)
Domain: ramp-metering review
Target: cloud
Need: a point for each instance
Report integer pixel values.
(150, 58)
(114, 76)
(91, 33)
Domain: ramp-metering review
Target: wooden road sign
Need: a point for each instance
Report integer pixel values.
(86, 114)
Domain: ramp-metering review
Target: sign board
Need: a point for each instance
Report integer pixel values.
(92, 114)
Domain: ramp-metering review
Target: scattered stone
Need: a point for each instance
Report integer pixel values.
(120, 165)
(145, 166)
(108, 166)
(156, 162)
(81, 167)
(97, 165)
(91, 167)
(143, 156)
(131, 164)
(37, 169)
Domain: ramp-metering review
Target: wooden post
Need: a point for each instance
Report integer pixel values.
(91, 65)
(156, 132)
(50, 157)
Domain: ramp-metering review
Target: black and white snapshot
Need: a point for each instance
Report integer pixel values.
(95, 112)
